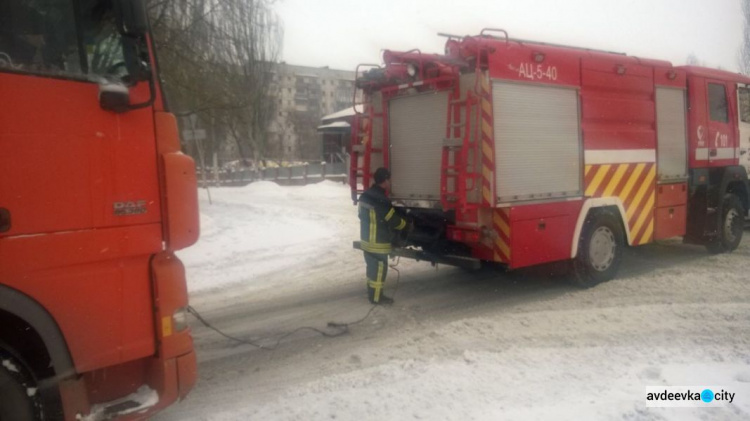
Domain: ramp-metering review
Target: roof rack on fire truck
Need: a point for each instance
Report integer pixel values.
(549, 44)
(484, 34)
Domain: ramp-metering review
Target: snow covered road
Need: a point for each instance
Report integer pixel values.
(456, 345)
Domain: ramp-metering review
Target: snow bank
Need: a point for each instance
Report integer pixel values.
(326, 189)
(261, 188)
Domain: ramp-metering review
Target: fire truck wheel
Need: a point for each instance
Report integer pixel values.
(730, 227)
(600, 250)
(19, 398)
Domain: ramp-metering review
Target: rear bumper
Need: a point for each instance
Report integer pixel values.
(420, 255)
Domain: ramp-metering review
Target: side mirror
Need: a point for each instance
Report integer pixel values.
(131, 17)
(114, 97)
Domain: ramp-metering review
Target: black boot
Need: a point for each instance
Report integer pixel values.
(383, 301)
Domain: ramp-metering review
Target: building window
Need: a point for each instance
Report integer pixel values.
(717, 102)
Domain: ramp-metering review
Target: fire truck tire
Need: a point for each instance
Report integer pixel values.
(731, 226)
(19, 398)
(600, 250)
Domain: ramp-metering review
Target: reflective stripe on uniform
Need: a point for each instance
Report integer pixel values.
(401, 225)
(378, 282)
(373, 226)
(377, 287)
(389, 215)
(378, 248)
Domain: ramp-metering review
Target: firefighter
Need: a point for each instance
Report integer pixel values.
(378, 219)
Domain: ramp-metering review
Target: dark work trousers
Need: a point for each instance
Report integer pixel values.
(377, 268)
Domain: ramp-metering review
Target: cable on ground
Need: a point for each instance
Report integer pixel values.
(340, 328)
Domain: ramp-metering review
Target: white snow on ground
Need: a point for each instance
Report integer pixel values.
(249, 232)
(457, 345)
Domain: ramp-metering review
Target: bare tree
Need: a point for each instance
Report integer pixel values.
(215, 58)
(693, 60)
(744, 59)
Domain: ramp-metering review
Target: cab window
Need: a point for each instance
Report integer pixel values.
(744, 104)
(102, 41)
(717, 103)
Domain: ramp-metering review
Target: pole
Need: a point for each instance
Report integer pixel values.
(217, 180)
(199, 145)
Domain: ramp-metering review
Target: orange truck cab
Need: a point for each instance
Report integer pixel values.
(95, 196)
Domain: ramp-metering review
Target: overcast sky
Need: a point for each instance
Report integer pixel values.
(343, 33)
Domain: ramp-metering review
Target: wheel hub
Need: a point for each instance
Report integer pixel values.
(602, 249)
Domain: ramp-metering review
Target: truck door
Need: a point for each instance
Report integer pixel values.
(721, 142)
(743, 117)
(65, 163)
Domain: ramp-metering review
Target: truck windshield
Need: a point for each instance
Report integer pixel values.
(53, 37)
(39, 36)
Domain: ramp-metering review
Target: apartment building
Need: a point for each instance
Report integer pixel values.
(303, 96)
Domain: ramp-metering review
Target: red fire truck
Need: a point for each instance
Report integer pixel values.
(522, 153)
(95, 197)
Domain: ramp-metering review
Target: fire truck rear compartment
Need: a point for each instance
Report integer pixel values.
(427, 241)
(429, 234)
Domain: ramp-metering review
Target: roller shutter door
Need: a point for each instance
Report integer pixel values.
(537, 142)
(417, 127)
(671, 132)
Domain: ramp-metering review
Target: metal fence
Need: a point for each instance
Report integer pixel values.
(296, 175)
